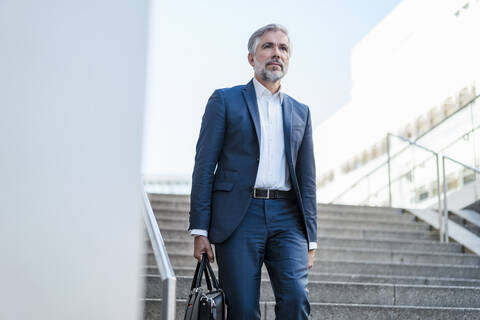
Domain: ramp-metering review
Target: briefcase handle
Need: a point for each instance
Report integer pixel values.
(197, 277)
(204, 266)
(210, 270)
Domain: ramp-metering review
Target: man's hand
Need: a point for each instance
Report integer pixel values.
(311, 255)
(202, 245)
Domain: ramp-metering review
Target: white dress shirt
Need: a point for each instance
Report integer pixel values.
(272, 171)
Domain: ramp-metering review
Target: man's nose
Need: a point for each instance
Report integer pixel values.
(276, 51)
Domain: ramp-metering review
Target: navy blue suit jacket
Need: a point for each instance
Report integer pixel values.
(227, 158)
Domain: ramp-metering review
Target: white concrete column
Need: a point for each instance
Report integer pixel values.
(72, 87)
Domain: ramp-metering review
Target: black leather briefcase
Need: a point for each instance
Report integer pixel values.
(205, 304)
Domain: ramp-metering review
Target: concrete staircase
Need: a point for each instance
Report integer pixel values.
(371, 263)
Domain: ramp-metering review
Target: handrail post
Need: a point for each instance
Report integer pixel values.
(169, 299)
(389, 172)
(441, 226)
(163, 262)
(445, 206)
(474, 143)
(445, 209)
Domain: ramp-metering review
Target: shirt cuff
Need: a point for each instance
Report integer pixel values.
(199, 232)
(312, 246)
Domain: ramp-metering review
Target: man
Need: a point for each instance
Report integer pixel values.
(253, 185)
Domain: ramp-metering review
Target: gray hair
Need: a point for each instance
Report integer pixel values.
(255, 37)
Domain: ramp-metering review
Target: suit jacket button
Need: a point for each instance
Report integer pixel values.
(258, 159)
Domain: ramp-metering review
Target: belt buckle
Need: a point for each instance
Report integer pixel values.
(259, 197)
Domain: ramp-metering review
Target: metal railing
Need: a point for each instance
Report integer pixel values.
(443, 212)
(163, 262)
(473, 117)
(437, 162)
(357, 182)
(387, 164)
(445, 187)
(398, 171)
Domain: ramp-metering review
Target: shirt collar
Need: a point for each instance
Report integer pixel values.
(261, 91)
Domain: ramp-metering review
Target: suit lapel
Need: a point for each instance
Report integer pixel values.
(251, 99)
(287, 109)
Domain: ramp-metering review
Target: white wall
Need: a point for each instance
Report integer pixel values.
(416, 57)
(71, 112)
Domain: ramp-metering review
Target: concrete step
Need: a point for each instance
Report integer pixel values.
(179, 201)
(467, 225)
(337, 311)
(364, 267)
(163, 206)
(396, 269)
(174, 223)
(405, 217)
(405, 245)
(351, 208)
(170, 206)
(365, 233)
(182, 222)
(345, 233)
(380, 255)
(175, 234)
(182, 198)
(153, 309)
(185, 241)
(351, 232)
(347, 277)
(160, 209)
(179, 235)
(350, 292)
(394, 256)
(321, 208)
(167, 211)
(372, 224)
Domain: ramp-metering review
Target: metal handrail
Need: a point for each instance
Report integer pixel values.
(411, 142)
(445, 205)
(461, 137)
(358, 181)
(462, 164)
(469, 103)
(387, 163)
(163, 262)
(442, 212)
(442, 230)
(380, 166)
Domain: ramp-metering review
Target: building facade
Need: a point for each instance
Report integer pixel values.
(415, 75)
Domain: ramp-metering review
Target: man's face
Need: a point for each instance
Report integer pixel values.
(271, 58)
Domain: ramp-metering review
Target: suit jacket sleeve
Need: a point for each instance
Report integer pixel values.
(305, 170)
(209, 146)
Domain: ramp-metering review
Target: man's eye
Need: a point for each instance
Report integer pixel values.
(267, 45)
(284, 48)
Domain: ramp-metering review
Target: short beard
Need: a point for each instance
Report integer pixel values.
(268, 75)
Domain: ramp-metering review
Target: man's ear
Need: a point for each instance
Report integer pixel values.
(250, 59)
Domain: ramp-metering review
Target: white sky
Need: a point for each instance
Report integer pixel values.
(198, 46)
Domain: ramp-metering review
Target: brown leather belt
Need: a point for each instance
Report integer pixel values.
(272, 194)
